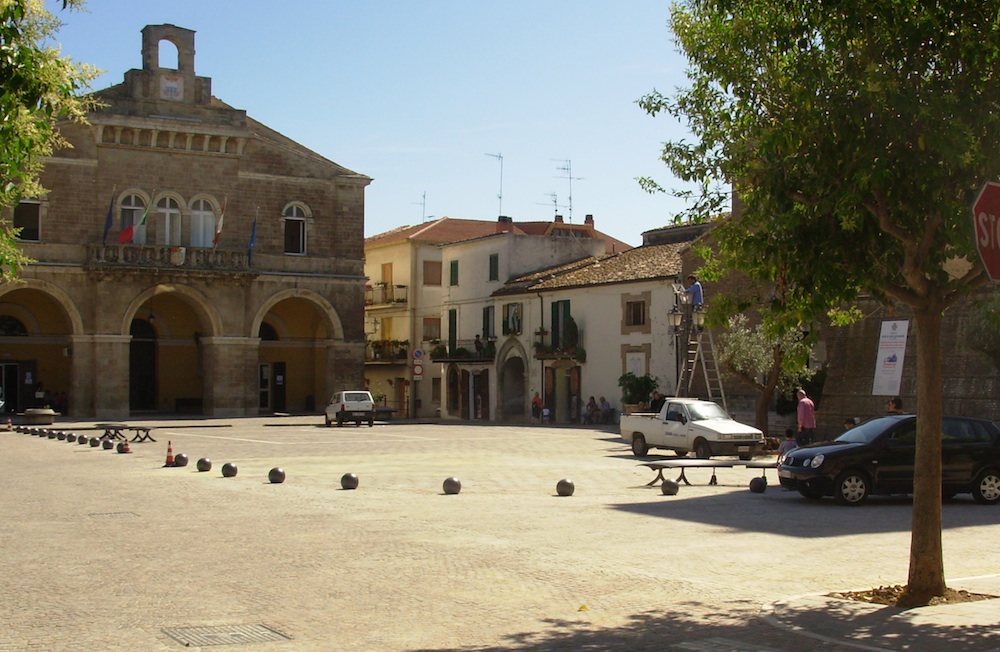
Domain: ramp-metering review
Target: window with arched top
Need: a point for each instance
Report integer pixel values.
(295, 230)
(202, 223)
(267, 332)
(130, 212)
(11, 326)
(168, 227)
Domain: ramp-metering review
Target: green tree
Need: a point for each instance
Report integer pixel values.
(767, 361)
(856, 135)
(39, 87)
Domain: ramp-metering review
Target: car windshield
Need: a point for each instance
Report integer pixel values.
(356, 396)
(866, 432)
(706, 411)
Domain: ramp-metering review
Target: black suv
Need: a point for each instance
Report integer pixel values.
(876, 457)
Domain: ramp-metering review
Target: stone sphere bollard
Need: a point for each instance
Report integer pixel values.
(71, 437)
(83, 440)
(95, 442)
(108, 444)
(61, 436)
(121, 447)
(53, 434)
(180, 459)
(204, 464)
(758, 485)
(276, 475)
(348, 481)
(229, 470)
(452, 486)
(565, 487)
(669, 488)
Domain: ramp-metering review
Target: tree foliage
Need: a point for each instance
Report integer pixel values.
(856, 135)
(39, 87)
(769, 362)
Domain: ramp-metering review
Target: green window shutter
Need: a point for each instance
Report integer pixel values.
(494, 267)
(454, 273)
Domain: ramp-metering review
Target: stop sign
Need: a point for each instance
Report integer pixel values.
(986, 218)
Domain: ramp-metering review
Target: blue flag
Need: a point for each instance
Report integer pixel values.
(253, 238)
(109, 219)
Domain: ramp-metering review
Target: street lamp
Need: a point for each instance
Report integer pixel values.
(674, 319)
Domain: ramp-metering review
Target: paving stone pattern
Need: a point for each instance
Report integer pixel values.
(104, 551)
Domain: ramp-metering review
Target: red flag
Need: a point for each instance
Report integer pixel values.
(126, 234)
(218, 225)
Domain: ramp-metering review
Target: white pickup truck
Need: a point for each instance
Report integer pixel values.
(690, 424)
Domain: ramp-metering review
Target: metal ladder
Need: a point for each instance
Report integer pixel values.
(701, 350)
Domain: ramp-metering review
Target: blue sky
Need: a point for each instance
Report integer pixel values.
(418, 95)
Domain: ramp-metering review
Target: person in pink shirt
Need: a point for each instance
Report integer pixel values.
(807, 419)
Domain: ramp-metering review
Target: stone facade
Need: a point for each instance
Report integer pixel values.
(268, 318)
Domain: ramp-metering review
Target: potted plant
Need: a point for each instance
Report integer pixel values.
(636, 390)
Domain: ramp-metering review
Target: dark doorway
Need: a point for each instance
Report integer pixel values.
(278, 374)
(9, 386)
(142, 390)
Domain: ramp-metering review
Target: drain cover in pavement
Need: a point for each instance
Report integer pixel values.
(224, 635)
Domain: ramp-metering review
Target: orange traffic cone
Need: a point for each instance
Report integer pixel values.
(170, 455)
(124, 447)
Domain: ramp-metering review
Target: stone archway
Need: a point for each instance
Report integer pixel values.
(513, 401)
(36, 346)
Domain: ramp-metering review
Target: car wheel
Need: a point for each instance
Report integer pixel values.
(851, 488)
(702, 450)
(810, 493)
(328, 423)
(639, 446)
(371, 422)
(340, 422)
(986, 489)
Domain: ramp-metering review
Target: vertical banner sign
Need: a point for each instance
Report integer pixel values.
(889, 364)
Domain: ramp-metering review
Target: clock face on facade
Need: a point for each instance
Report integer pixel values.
(171, 87)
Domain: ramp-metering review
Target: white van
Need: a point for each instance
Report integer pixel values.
(356, 406)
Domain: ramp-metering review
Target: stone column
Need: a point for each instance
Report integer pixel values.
(110, 374)
(230, 376)
(345, 366)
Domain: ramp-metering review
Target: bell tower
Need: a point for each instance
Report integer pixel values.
(160, 84)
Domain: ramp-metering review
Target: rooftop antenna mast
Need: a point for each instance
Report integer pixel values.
(554, 202)
(499, 157)
(423, 208)
(567, 167)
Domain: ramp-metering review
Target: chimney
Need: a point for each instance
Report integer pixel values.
(559, 219)
(589, 220)
(505, 224)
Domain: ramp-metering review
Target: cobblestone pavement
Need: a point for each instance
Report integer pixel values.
(102, 551)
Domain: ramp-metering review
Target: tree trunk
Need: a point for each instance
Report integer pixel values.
(766, 391)
(926, 576)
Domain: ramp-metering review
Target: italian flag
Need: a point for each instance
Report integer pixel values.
(126, 234)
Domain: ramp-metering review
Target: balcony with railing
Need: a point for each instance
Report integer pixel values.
(466, 351)
(135, 256)
(387, 351)
(382, 294)
(564, 348)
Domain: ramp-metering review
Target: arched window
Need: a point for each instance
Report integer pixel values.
(132, 208)
(202, 223)
(11, 326)
(295, 230)
(267, 332)
(168, 230)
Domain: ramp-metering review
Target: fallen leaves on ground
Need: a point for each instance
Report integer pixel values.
(889, 595)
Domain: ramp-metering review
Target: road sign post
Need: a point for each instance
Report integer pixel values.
(986, 220)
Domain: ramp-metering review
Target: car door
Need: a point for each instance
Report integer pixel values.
(892, 459)
(675, 425)
(965, 447)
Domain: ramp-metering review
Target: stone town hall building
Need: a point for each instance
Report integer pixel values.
(170, 322)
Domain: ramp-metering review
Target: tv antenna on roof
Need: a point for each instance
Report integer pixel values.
(568, 169)
(499, 157)
(423, 208)
(554, 202)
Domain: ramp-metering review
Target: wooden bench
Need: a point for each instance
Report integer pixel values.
(683, 464)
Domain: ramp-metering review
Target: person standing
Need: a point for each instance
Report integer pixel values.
(787, 445)
(536, 407)
(807, 419)
(695, 292)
